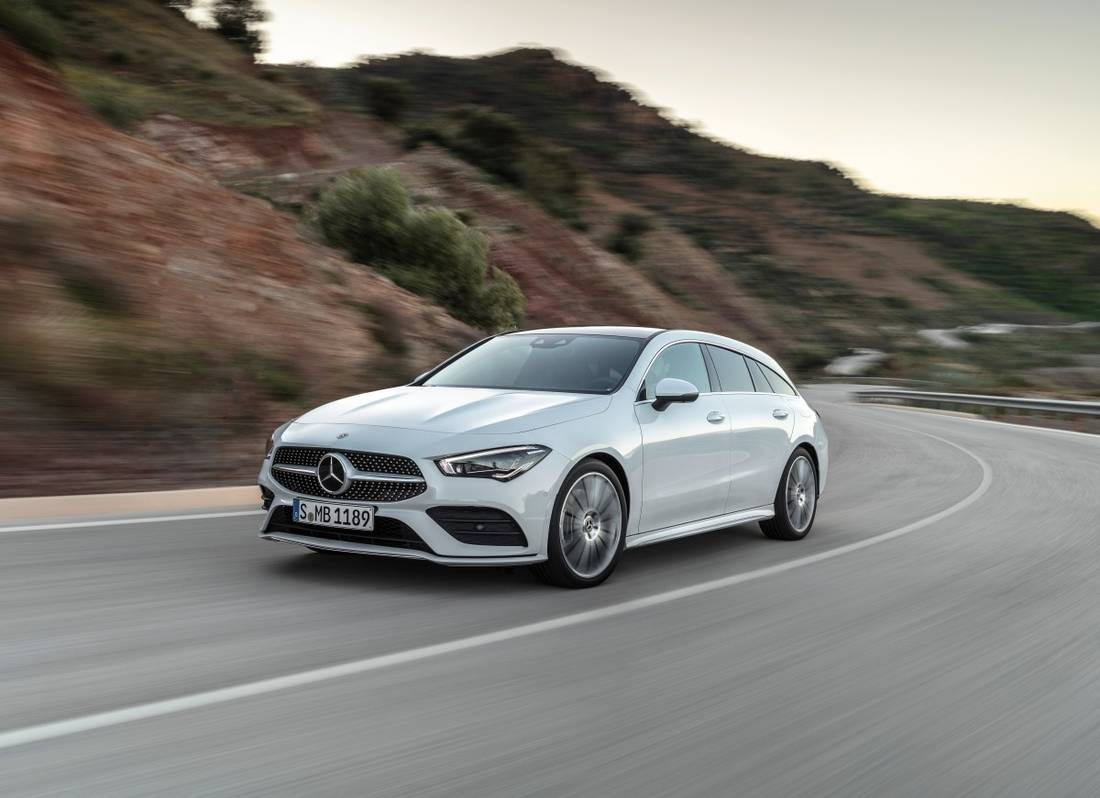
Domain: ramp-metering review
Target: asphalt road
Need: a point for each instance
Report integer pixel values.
(938, 634)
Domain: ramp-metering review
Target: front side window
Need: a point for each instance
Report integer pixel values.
(544, 362)
(681, 362)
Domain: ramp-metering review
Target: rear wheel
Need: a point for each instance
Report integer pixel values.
(587, 528)
(795, 500)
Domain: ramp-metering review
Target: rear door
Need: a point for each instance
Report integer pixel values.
(685, 447)
(761, 423)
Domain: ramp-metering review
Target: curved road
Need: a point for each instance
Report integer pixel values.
(938, 634)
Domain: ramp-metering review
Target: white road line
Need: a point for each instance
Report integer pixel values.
(100, 720)
(152, 519)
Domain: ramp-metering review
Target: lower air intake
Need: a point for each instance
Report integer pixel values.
(479, 526)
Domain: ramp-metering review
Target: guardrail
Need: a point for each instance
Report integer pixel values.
(997, 403)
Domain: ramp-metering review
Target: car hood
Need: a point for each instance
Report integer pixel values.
(458, 410)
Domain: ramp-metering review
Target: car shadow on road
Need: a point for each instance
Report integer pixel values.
(712, 550)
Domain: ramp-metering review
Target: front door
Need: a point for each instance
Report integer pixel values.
(685, 447)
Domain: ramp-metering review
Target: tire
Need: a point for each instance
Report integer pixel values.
(587, 528)
(795, 499)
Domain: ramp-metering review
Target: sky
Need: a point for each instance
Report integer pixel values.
(985, 99)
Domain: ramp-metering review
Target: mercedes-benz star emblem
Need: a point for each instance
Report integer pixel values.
(334, 473)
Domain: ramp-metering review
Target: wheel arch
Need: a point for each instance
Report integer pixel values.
(613, 463)
(809, 447)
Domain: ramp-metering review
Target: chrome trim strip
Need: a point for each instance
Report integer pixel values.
(311, 470)
(359, 476)
(373, 476)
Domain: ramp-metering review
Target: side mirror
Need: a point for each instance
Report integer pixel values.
(671, 390)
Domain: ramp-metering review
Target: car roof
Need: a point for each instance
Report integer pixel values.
(623, 332)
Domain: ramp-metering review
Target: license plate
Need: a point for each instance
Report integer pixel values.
(345, 516)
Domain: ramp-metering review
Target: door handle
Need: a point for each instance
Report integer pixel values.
(714, 417)
(780, 413)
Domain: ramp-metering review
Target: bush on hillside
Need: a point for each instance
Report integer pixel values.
(116, 102)
(429, 251)
(627, 238)
(364, 214)
(492, 141)
(31, 27)
(416, 135)
(499, 145)
(386, 98)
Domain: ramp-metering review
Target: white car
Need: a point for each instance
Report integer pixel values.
(556, 448)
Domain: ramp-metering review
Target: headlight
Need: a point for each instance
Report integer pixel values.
(502, 464)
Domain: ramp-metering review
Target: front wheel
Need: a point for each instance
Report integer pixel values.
(587, 528)
(795, 500)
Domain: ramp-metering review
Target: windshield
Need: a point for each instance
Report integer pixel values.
(539, 362)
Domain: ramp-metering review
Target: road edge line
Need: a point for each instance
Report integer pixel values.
(151, 519)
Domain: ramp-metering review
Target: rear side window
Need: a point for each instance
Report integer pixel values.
(762, 384)
(733, 372)
(779, 385)
(682, 362)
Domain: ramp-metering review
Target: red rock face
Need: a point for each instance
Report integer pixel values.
(142, 303)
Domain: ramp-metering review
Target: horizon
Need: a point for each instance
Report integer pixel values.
(1004, 113)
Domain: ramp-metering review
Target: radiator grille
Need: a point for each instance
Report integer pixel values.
(360, 490)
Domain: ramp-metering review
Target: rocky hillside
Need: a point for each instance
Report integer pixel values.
(757, 214)
(168, 297)
(154, 325)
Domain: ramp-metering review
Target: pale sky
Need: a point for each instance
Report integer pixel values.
(989, 99)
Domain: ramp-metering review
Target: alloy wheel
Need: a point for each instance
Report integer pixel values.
(590, 525)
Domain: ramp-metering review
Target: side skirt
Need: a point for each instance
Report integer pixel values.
(698, 527)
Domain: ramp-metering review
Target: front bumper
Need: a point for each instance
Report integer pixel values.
(528, 499)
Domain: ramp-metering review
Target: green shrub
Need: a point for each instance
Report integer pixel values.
(364, 213)
(115, 101)
(421, 134)
(429, 250)
(807, 358)
(119, 58)
(385, 325)
(62, 9)
(501, 302)
(277, 379)
(499, 145)
(386, 98)
(91, 288)
(32, 27)
(627, 239)
(551, 177)
(116, 110)
(491, 141)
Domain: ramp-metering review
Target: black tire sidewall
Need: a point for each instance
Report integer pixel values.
(790, 533)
